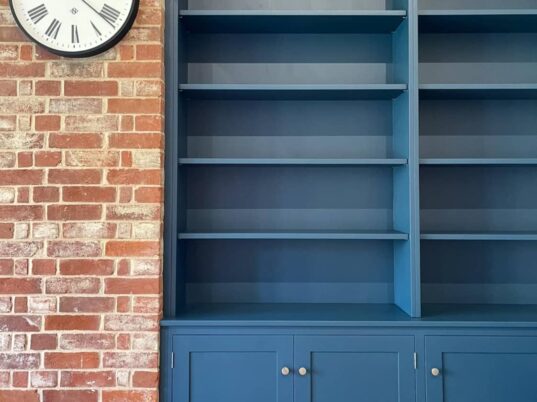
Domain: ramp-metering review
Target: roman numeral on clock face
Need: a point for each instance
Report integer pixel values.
(38, 13)
(110, 14)
(53, 29)
(74, 34)
(95, 28)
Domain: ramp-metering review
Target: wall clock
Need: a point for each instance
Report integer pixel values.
(75, 28)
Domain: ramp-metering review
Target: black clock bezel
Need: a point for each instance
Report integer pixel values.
(103, 47)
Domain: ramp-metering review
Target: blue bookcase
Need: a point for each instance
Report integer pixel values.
(340, 170)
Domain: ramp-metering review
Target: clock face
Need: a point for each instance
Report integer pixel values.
(75, 28)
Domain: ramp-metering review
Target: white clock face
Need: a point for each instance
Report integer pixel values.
(75, 27)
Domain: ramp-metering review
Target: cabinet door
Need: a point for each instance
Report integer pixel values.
(355, 369)
(477, 368)
(232, 369)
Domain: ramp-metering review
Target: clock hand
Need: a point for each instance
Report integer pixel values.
(90, 6)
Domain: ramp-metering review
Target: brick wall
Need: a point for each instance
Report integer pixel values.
(80, 218)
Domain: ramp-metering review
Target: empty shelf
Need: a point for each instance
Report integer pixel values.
(291, 21)
(478, 91)
(307, 92)
(478, 21)
(299, 235)
(479, 161)
(477, 236)
(288, 162)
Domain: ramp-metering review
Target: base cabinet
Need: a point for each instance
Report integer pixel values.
(477, 368)
(232, 368)
(355, 369)
(325, 369)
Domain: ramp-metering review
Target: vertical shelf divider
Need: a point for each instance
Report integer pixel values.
(406, 178)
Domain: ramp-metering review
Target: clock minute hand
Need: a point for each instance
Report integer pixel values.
(90, 6)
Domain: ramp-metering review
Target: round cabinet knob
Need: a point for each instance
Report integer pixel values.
(285, 371)
(435, 372)
(302, 371)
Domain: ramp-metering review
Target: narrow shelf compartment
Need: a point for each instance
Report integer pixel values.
(486, 21)
(296, 235)
(292, 21)
(478, 91)
(311, 92)
(291, 162)
(479, 161)
(492, 314)
(481, 236)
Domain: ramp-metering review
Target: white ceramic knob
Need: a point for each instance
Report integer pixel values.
(435, 372)
(302, 371)
(285, 371)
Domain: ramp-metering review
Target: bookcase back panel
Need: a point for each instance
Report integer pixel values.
(478, 128)
(494, 272)
(478, 58)
(289, 271)
(475, 4)
(289, 4)
(479, 198)
(289, 58)
(289, 198)
(289, 129)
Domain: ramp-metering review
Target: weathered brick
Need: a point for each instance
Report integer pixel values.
(88, 379)
(67, 249)
(100, 341)
(59, 285)
(87, 304)
(131, 396)
(70, 395)
(19, 361)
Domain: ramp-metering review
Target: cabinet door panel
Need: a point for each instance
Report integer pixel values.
(232, 369)
(492, 369)
(355, 369)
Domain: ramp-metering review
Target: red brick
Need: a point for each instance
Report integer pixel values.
(74, 212)
(145, 379)
(76, 141)
(48, 88)
(135, 69)
(149, 123)
(88, 379)
(46, 194)
(67, 249)
(19, 361)
(70, 396)
(8, 88)
(43, 267)
(44, 342)
(132, 248)
(72, 322)
(74, 176)
(20, 212)
(19, 396)
(21, 70)
(20, 379)
(89, 194)
(80, 360)
(6, 267)
(87, 267)
(149, 52)
(98, 341)
(19, 323)
(136, 140)
(20, 285)
(137, 106)
(47, 123)
(6, 230)
(59, 285)
(17, 177)
(87, 304)
(132, 286)
(25, 159)
(130, 396)
(47, 158)
(90, 88)
(135, 176)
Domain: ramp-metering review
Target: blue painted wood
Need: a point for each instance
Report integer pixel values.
(489, 20)
(291, 162)
(234, 368)
(478, 91)
(311, 92)
(318, 235)
(478, 236)
(358, 368)
(495, 369)
(292, 21)
(479, 161)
